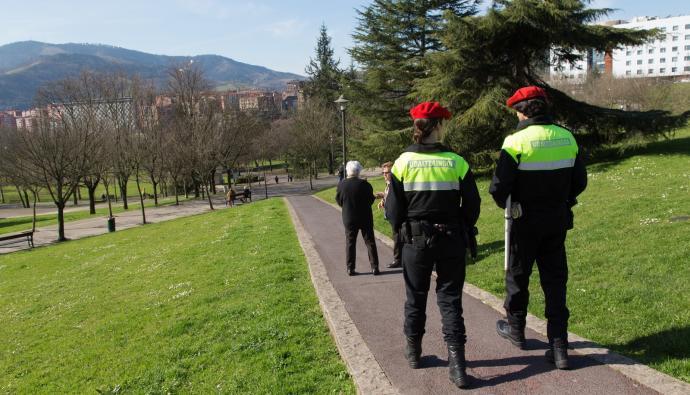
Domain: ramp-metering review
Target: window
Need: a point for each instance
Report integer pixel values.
(674, 38)
(650, 61)
(686, 58)
(686, 68)
(627, 72)
(650, 71)
(627, 63)
(662, 70)
(687, 26)
(662, 37)
(663, 29)
(650, 51)
(639, 52)
(628, 53)
(639, 61)
(639, 71)
(674, 49)
(675, 28)
(674, 59)
(687, 36)
(687, 47)
(674, 69)
(662, 50)
(662, 60)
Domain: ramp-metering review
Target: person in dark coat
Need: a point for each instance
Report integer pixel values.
(355, 196)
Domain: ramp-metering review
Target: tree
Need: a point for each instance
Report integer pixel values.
(392, 39)
(309, 134)
(489, 56)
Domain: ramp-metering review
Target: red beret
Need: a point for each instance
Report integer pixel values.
(526, 93)
(429, 109)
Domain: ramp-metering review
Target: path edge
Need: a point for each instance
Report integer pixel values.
(636, 371)
(366, 372)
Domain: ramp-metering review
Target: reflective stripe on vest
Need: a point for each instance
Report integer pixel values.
(542, 147)
(433, 171)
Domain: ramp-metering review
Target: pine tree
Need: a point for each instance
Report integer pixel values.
(490, 56)
(391, 41)
(324, 74)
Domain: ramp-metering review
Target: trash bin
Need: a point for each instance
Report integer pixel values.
(111, 224)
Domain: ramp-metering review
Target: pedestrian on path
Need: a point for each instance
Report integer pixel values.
(541, 169)
(428, 184)
(397, 243)
(355, 196)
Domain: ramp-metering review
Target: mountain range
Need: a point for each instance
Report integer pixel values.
(26, 66)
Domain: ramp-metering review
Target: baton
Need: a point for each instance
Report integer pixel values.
(508, 215)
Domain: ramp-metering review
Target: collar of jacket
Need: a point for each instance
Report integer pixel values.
(427, 148)
(538, 120)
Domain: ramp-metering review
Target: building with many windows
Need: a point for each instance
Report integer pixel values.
(666, 56)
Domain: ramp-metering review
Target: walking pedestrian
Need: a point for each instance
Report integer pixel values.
(355, 195)
(541, 168)
(432, 200)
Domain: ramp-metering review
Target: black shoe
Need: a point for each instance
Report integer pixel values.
(413, 351)
(375, 271)
(512, 334)
(457, 366)
(558, 356)
(351, 272)
(394, 265)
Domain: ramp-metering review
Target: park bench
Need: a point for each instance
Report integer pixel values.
(29, 234)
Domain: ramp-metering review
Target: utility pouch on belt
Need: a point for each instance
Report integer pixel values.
(419, 238)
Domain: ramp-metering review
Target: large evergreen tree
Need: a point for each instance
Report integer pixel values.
(391, 40)
(490, 56)
(324, 74)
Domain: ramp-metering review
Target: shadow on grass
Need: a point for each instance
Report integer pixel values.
(485, 250)
(659, 347)
(603, 159)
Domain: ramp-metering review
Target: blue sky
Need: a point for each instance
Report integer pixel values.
(277, 34)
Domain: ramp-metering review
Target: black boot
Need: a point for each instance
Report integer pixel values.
(457, 366)
(512, 333)
(558, 354)
(413, 351)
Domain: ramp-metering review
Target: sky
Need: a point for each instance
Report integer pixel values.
(280, 35)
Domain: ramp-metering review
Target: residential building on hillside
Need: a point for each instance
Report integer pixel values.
(667, 56)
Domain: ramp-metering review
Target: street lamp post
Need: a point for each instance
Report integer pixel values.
(341, 103)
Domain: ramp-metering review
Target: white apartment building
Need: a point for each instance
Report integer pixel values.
(665, 57)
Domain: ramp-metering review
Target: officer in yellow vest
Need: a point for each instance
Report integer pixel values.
(541, 168)
(432, 200)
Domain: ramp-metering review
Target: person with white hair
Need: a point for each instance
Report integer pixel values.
(355, 195)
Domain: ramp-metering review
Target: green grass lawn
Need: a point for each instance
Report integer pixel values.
(214, 303)
(629, 255)
(11, 195)
(18, 224)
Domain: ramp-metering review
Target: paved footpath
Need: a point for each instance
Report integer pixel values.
(375, 306)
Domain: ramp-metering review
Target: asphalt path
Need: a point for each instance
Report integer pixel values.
(375, 305)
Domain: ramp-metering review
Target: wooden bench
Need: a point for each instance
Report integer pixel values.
(29, 234)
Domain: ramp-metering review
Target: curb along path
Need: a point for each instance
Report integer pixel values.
(374, 305)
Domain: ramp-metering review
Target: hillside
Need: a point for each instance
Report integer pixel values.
(25, 66)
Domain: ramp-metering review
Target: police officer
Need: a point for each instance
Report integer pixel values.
(541, 167)
(433, 198)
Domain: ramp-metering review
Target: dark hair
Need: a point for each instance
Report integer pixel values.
(423, 128)
(532, 108)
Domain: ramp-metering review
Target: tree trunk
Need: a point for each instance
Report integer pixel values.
(186, 191)
(177, 199)
(141, 200)
(61, 221)
(92, 199)
(311, 186)
(229, 171)
(316, 171)
(21, 198)
(74, 196)
(155, 193)
(2, 195)
(208, 195)
(107, 196)
(33, 218)
(123, 192)
(115, 194)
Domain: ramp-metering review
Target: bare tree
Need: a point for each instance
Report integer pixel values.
(311, 128)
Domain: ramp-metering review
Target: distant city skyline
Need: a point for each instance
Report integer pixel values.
(280, 35)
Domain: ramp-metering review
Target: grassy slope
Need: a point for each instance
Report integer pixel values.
(202, 304)
(629, 264)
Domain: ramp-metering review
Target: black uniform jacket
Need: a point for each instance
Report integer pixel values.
(543, 194)
(459, 206)
(355, 196)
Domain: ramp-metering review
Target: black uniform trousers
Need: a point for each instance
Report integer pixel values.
(530, 242)
(447, 253)
(351, 245)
